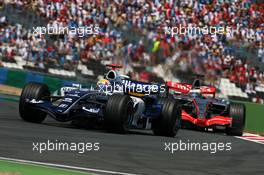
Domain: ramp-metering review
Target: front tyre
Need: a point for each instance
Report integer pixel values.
(168, 123)
(118, 112)
(237, 112)
(31, 91)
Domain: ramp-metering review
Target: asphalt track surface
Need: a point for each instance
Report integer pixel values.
(136, 152)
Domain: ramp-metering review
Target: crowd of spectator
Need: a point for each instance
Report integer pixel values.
(212, 55)
(17, 41)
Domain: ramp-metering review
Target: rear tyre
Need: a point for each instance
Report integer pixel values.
(168, 123)
(237, 112)
(118, 112)
(31, 91)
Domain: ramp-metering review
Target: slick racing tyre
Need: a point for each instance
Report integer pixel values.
(35, 91)
(118, 113)
(237, 112)
(168, 123)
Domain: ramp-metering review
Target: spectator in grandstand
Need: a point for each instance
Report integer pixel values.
(3, 21)
(261, 54)
(147, 19)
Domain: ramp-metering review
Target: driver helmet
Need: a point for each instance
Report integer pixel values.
(103, 84)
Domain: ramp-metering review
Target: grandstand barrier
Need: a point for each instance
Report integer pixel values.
(19, 79)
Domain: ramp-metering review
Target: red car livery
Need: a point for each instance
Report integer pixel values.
(203, 112)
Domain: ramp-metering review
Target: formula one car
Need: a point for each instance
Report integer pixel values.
(202, 112)
(115, 103)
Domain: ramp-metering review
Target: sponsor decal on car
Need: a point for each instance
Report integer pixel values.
(92, 110)
(73, 95)
(63, 105)
(34, 101)
(69, 100)
(67, 89)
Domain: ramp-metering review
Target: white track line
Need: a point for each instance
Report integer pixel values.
(64, 166)
(250, 140)
(249, 134)
(250, 137)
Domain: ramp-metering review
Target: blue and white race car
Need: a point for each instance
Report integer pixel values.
(117, 103)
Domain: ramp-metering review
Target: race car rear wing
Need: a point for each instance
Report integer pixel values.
(114, 66)
(185, 88)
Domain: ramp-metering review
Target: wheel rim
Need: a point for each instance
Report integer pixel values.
(128, 115)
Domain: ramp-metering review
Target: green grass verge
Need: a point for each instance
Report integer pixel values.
(31, 169)
(254, 117)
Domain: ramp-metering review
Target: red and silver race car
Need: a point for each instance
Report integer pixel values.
(202, 112)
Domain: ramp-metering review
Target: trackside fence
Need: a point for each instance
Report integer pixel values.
(19, 79)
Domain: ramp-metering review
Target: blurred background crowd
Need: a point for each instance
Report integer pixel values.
(132, 34)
